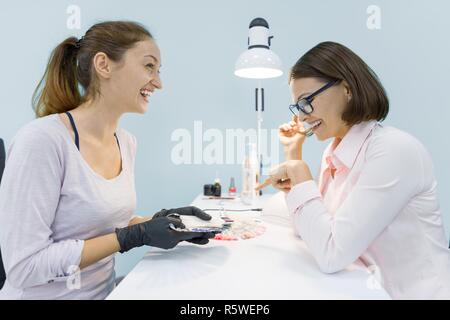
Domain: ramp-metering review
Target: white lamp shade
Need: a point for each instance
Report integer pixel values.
(258, 63)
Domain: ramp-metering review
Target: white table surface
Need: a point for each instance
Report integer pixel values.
(275, 265)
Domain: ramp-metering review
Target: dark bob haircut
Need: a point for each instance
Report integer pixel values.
(333, 61)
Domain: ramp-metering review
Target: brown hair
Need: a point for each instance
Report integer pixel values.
(333, 61)
(70, 65)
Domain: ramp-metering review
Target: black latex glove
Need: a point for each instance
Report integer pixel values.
(157, 233)
(184, 211)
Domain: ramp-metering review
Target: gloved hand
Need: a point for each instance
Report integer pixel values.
(157, 233)
(184, 211)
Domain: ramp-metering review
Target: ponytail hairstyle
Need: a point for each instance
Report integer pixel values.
(70, 78)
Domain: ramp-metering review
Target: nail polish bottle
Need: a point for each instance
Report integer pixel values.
(217, 188)
(232, 188)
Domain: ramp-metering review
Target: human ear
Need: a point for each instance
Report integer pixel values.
(102, 65)
(347, 90)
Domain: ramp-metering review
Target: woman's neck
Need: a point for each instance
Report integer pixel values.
(338, 138)
(97, 119)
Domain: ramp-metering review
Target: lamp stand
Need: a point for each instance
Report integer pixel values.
(259, 106)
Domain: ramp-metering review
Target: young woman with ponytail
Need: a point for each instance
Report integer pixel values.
(67, 198)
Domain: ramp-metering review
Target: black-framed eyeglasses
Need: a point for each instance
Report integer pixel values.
(305, 104)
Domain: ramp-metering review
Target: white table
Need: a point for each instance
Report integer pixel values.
(275, 265)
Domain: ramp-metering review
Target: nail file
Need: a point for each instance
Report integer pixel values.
(197, 229)
(308, 129)
(194, 224)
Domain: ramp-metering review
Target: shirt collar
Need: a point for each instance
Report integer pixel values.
(347, 150)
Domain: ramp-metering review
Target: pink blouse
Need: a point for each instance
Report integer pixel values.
(381, 207)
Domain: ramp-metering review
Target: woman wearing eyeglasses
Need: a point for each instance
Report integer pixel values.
(376, 195)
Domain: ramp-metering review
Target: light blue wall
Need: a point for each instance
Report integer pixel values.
(200, 41)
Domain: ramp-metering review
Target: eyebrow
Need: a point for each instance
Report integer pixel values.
(151, 56)
(303, 95)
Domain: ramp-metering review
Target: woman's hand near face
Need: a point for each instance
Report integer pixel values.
(291, 138)
(286, 175)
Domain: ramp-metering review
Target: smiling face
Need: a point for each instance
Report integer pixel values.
(328, 106)
(134, 79)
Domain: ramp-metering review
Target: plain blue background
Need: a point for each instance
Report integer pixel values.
(200, 42)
